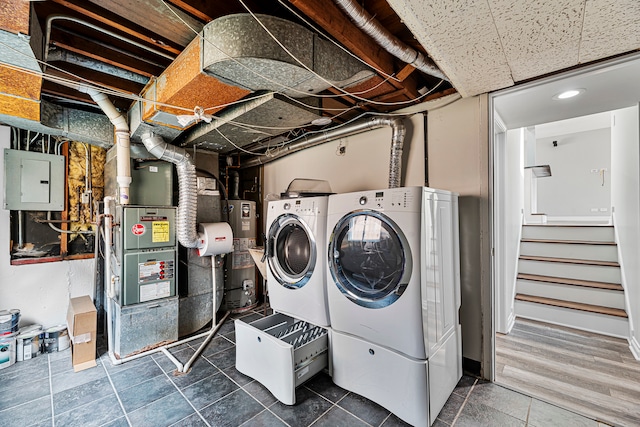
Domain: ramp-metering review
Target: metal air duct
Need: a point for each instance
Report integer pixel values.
(398, 132)
(239, 50)
(388, 41)
(187, 187)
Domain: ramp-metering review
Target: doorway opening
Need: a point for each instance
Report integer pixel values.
(565, 203)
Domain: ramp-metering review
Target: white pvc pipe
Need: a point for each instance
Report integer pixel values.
(123, 144)
(107, 269)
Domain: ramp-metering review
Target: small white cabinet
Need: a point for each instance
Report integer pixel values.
(281, 353)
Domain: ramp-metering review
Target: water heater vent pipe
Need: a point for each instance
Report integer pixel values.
(123, 143)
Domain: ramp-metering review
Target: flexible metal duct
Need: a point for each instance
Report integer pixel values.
(398, 132)
(187, 186)
(388, 41)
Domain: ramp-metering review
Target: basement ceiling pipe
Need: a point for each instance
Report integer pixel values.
(123, 143)
(187, 187)
(398, 132)
(388, 41)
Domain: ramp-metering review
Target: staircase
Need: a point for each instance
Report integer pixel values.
(569, 275)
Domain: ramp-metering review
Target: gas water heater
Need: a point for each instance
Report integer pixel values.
(239, 289)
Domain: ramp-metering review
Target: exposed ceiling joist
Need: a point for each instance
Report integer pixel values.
(119, 23)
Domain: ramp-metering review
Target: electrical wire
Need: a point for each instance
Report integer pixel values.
(328, 38)
(344, 93)
(253, 71)
(111, 91)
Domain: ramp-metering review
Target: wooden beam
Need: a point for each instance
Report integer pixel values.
(112, 20)
(56, 90)
(405, 72)
(102, 53)
(197, 11)
(328, 16)
(96, 76)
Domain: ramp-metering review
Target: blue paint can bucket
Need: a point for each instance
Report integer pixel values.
(7, 350)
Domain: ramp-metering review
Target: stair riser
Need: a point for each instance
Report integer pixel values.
(593, 322)
(594, 296)
(571, 271)
(567, 250)
(598, 234)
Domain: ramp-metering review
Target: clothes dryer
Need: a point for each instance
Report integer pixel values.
(393, 297)
(295, 251)
(374, 261)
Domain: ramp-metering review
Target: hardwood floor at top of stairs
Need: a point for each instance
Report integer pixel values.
(590, 374)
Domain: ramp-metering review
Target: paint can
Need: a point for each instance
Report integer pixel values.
(56, 338)
(9, 320)
(29, 342)
(7, 350)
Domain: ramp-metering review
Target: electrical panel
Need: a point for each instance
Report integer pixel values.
(33, 181)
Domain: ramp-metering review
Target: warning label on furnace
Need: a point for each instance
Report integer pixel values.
(155, 291)
(160, 231)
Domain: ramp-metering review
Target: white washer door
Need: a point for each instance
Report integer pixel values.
(292, 251)
(369, 259)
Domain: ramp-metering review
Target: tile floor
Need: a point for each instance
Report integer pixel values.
(46, 392)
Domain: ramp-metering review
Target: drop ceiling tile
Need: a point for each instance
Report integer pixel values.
(461, 37)
(540, 63)
(538, 37)
(610, 28)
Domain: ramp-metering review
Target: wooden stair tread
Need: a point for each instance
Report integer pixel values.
(574, 282)
(570, 260)
(573, 305)
(571, 242)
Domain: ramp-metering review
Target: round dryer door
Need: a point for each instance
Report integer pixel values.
(292, 251)
(369, 259)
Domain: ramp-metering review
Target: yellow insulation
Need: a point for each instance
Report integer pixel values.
(81, 181)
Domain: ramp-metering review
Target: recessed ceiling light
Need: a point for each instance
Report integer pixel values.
(569, 93)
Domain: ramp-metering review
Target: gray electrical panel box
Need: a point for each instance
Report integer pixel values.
(145, 253)
(33, 181)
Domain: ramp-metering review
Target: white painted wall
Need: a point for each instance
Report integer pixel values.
(573, 190)
(40, 291)
(458, 158)
(364, 166)
(510, 194)
(625, 200)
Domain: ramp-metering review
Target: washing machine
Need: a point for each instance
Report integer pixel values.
(295, 252)
(393, 295)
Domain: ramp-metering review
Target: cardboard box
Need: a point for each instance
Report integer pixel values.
(82, 324)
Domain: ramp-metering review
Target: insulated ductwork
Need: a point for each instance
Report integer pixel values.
(187, 187)
(308, 65)
(397, 140)
(388, 41)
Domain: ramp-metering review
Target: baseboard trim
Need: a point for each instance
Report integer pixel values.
(512, 320)
(634, 346)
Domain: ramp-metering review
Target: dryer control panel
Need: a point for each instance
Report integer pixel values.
(405, 198)
(301, 206)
